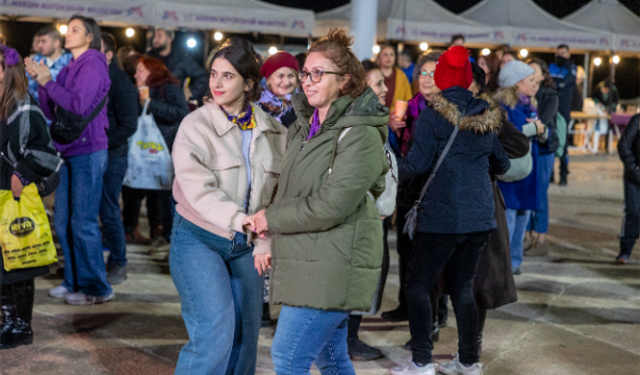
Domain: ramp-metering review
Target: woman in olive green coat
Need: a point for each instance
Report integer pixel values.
(325, 228)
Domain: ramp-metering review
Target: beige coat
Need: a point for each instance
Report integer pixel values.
(211, 175)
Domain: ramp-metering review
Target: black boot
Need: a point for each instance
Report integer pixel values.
(398, 315)
(266, 315)
(18, 311)
(359, 351)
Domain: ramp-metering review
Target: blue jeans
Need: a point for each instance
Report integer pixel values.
(517, 221)
(221, 297)
(76, 219)
(306, 335)
(540, 218)
(110, 215)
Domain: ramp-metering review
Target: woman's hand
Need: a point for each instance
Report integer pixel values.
(16, 186)
(142, 100)
(540, 127)
(262, 263)
(260, 223)
(248, 223)
(40, 72)
(397, 124)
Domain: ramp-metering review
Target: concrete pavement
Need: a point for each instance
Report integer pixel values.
(578, 313)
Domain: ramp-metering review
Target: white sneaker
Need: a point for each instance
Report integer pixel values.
(410, 368)
(59, 292)
(455, 367)
(81, 299)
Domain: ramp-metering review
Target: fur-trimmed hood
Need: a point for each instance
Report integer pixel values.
(509, 97)
(483, 113)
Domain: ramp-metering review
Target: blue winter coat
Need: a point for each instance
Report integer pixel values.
(460, 198)
(520, 195)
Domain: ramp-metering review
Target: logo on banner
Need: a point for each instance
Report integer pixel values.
(498, 35)
(625, 43)
(604, 41)
(522, 37)
(401, 30)
(298, 24)
(135, 11)
(170, 14)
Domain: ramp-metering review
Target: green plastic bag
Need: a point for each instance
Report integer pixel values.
(25, 233)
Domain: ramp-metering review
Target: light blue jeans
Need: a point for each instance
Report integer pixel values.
(517, 221)
(306, 335)
(221, 298)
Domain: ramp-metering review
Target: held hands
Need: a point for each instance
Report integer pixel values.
(262, 262)
(396, 123)
(39, 71)
(16, 186)
(257, 223)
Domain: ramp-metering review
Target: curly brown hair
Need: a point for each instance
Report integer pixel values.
(335, 47)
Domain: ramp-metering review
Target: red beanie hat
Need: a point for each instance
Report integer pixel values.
(277, 61)
(454, 69)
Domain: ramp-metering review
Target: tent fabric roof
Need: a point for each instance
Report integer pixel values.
(607, 15)
(531, 26)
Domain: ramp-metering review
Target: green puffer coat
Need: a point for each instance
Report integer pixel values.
(327, 233)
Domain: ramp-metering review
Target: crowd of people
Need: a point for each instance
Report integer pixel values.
(287, 177)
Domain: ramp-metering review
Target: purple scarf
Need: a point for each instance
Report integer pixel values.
(315, 124)
(525, 100)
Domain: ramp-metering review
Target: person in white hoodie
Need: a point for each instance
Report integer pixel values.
(227, 158)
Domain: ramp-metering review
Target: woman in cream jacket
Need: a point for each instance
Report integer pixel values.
(227, 158)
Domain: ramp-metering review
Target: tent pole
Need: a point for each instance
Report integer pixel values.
(207, 45)
(612, 72)
(589, 83)
(587, 72)
(364, 19)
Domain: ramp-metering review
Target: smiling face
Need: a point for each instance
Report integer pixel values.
(283, 81)
(375, 80)
(77, 36)
(528, 86)
(323, 93)
(428, 87)
(227, 86)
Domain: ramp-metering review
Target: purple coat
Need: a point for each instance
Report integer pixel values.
(79, 88)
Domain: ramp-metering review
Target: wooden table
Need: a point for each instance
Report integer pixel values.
(590, 120)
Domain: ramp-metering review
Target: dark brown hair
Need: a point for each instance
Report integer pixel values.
(14, 87)
(240, 54)
(432, 55)
(548, 82)
(92, 28)
(335, 47)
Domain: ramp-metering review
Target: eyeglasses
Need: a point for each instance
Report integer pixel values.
(315, 75)
(426, 75)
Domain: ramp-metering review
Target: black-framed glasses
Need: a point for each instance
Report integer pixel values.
(427, 74)
(315, 75)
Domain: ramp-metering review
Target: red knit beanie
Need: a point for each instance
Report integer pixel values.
(277, 61)
(454, 69)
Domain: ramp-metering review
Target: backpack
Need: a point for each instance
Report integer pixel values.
(561, 130)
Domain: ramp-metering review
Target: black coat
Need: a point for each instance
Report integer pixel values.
(38, 139)
(122, 111)
(182, 66)
(168, 107)
(460, 198)
(629, 151)
(494, 285)
(547, 110)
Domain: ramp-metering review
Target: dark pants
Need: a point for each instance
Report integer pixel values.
(404, 245)
(458, 256)
(110, 215)
(159, 209)
(631, 222)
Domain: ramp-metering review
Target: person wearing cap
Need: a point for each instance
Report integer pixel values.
(456, 215)
(518, 85)
(281, 73)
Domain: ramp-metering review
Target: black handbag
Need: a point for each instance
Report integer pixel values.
(67, 126)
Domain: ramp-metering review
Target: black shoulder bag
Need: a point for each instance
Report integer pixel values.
(67, 126)
(412, 216)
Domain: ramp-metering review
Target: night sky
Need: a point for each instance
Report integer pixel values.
(556, 7)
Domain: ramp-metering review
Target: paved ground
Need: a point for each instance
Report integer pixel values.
(578, 313)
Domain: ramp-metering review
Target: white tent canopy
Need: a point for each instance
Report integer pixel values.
(234, 15)
(531, 26)
(226, 15)
(610, 16)
(427, 21)
(341, 17)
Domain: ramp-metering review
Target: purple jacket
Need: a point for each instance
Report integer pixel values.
(79, 88)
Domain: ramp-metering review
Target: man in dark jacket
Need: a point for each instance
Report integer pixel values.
(456, 214)
(122, 111)
(564, 73)
(629, 151)
(180, 64)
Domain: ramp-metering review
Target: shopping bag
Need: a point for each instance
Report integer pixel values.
(25, 233)
(149, 161)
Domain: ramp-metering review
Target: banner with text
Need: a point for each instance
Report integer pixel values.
(398, 29)
(627, 43)
(553, 38)
(131, 12)
(260, 19)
